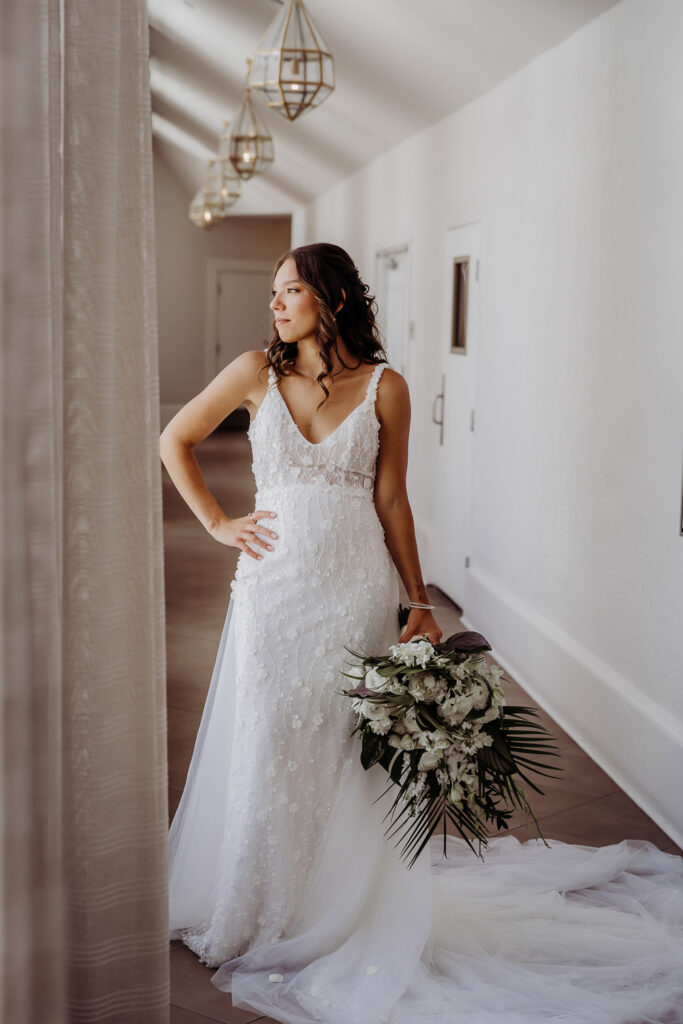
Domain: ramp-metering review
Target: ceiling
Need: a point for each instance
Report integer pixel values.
(400, 66)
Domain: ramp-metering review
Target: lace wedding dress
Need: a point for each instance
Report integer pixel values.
(280, 874)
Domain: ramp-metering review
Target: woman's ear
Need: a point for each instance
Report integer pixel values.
(341, 303)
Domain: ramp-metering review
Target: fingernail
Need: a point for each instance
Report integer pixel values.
(273, 514)
(273, 535)
(269, 546)
(259, 556)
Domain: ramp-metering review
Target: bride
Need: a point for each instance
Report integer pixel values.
(280, 875)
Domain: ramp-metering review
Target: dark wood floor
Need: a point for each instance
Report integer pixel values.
(584, 805)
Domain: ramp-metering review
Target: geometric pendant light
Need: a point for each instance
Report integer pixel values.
(201, 212)
(250, 146)
(222, 186)
(292, 69)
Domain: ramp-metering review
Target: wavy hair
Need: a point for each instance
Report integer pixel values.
(329, 273)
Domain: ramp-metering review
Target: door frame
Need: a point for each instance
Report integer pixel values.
(214, 268)
(446, 354)
(380, 277)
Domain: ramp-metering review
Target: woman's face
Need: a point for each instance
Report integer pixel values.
(294, 307)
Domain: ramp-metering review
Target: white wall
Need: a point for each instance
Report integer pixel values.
(182, 251)
(574, 167)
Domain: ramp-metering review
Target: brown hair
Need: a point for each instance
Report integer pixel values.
(329, 273)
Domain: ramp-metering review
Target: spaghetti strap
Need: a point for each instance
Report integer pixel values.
(373, 384)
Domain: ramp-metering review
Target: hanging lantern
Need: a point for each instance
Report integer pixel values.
(250, 148)
(224, 186)
(292, 69)
(201, 213)
(220, 190)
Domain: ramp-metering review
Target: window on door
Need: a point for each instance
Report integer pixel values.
(461, 267)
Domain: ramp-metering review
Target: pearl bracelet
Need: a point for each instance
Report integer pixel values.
(417, 604)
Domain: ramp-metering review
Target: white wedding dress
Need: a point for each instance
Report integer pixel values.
(280, 874)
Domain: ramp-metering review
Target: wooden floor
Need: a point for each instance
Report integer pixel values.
(583, 806)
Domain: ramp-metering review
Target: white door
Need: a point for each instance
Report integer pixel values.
(393, 267)
(238, 314)
(454, 411)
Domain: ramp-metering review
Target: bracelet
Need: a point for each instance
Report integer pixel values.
(417, 604)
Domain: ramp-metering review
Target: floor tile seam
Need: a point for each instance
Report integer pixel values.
(212, 1020)
(574, 807)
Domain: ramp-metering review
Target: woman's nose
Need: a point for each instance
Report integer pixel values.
(276, 302)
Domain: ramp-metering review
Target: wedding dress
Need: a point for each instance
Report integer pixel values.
(280, 874)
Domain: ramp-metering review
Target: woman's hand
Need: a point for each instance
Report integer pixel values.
(421, 622)
(239, 533)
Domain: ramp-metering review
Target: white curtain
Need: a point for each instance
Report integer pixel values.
(83, 815)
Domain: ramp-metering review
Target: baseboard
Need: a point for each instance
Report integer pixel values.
(636, 741)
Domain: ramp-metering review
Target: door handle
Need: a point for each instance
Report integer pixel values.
(439, 398)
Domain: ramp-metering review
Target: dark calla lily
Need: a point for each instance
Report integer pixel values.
(466, 642)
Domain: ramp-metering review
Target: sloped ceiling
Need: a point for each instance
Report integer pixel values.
(400, 66)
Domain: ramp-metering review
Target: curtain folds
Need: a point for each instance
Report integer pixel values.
(83, 815)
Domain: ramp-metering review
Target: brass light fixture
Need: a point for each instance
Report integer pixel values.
(222, 180)
(201, 212)
(292, 70)
(250, 146)
(220, 190)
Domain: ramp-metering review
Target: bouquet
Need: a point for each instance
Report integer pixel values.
(435, 717)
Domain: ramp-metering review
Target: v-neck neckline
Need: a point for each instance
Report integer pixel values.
(317, 444)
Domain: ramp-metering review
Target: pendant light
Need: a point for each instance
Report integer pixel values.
(222, 181)
(250, 146)
(221, 188)
(200, 213)
(292, 70)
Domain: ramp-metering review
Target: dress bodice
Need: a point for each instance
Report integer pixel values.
(344, 460)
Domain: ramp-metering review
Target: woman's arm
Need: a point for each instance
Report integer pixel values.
(238, 382)
(391, 500)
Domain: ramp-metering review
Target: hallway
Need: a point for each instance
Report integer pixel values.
(583, 806)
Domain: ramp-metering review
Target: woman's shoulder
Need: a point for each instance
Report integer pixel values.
(391, 382)
(393, 397)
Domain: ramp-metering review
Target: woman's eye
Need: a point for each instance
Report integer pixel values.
(292, 289)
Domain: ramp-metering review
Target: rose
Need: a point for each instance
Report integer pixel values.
(375, 681)
(374, 710)
(381, 726)
(430, 759)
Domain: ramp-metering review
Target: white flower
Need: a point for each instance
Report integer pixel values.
(417, 688)
(480, 695)
(374, 709)
(489, 715)
(381, 726)
(430, 759)
(394, 741)
(415, 652)
(407, 742)
(375, 681)
(409, 721)
(456, 793)
(437, 740)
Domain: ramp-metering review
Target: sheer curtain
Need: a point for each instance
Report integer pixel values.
(82, 715)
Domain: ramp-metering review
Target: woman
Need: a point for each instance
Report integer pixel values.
(280, 872)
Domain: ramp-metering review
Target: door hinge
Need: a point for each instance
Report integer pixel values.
(471, 419)
(467, 562)
(218, 287)
(476, 270)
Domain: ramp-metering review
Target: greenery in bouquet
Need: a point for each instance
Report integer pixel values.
(436, 718)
